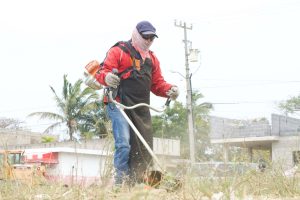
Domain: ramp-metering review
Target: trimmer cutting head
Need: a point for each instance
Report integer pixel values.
(157, 179)
(153, 178)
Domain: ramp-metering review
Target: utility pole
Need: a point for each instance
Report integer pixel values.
(188, 90)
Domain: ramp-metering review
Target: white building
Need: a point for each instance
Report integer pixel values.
(78, 164)
(70, 165)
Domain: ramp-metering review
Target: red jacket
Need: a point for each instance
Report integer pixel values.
(120, 60)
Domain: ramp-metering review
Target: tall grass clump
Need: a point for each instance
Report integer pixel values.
(270, 183)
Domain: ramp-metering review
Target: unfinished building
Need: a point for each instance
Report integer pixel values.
(280, 137)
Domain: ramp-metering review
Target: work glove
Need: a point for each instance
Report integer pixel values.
(173, 93)
(112, 80)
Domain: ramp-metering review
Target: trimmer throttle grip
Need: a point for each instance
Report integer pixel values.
(115, 71)
(168, 102)
(112, 90)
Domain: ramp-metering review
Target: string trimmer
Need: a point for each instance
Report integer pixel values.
(154, 177)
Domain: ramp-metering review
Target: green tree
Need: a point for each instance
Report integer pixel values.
(173, 124)
(291, 105)
(201, 126)
(73, 105)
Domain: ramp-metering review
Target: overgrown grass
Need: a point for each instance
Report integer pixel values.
(270, 184)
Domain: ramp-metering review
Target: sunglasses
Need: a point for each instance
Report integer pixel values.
(147, 37)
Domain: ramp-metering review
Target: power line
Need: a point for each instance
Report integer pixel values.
(249, 80)
(231, 102)
(246, 102)
(247, 85)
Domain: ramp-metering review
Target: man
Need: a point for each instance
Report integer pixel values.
(138, 73)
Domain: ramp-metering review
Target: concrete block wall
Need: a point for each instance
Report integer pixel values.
(220, 128)
(285, 126)
(282, 151)
(8, 137)
(230, 128)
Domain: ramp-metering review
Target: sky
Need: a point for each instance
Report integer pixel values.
(248, 61)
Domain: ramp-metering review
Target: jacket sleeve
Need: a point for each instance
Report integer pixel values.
(159, 86)
(111, 61)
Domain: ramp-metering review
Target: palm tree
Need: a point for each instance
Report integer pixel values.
(73, 106)
(94, 122)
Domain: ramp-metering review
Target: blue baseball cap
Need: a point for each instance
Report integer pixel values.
(146, 28)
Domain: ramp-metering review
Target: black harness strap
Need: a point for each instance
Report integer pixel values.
(128, 48)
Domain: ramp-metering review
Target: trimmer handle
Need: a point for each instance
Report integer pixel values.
(111, 89)
(111, 97)
(168, 102)
(115, 71)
